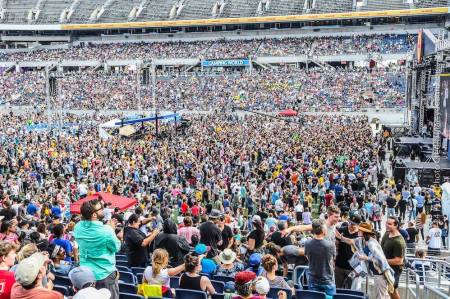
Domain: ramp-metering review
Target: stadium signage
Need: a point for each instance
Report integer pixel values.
(225, 63)
(268, 19)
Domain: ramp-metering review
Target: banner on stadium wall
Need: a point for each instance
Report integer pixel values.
(225, 63)
(268, 19)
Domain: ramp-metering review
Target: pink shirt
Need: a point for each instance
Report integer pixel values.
(187, 232)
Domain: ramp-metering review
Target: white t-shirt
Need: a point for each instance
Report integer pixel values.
(162, 278)
(435, 238)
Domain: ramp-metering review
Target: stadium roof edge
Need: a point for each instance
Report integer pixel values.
(228, 21)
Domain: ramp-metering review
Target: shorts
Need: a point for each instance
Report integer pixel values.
(397, 274)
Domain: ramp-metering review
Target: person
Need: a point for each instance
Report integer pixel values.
(321, 252)
(188, 230)
(334, 214)
(98, 245)
(83, 282)
(227, 234)
(254, 263)
(244, 282)
(8, 232)
(57, 255)
(255, 239)
(421, 219)
(270, 265)
(191, 279)
(58, 239)
(262, 286)
(176, 246)
(433, 239)
(413, 234)
(369, 251)
(394, 248)
(344, 253)
(29, 275)
(210, 234)
(228, 266)
(159, 273)
(391, 203)
(137, 243)
(7, 259)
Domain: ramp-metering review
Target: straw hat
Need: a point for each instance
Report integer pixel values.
(227, 256)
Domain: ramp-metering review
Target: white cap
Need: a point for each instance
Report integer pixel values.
(90, 293)
(262, 286)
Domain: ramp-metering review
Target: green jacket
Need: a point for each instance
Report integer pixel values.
(98, 245)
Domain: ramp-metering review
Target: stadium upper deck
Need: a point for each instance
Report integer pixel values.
(116, 11)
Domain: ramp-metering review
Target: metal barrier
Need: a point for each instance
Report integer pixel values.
(428, 291)
(415, 292)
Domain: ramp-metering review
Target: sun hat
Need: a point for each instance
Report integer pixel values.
(227, 257)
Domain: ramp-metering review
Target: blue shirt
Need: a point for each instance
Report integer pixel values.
(56, 211)
(32, 209)
(66, 245)
(420, 201)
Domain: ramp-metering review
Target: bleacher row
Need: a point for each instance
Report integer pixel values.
(119, 10)
(129, 278)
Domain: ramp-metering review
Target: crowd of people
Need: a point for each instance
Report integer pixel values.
(243, 197)
(316, 89)
(223, 49)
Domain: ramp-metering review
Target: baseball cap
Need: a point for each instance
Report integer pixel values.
(256, 218)
(214, 214)
(28, 269)
(355, 219)
(229, 287)
(90, 292)
(255, 259)
(262, 286)
(201, 249)
(81, 276)
(244, 277)
(208, 266)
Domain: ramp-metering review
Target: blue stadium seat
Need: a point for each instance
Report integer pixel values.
(127, 277)
(62, 281)
(62, 289)
(299, 275)
(303, 294)
(130, 296)
(139, 277)
(273, 293)
(219, 286)
(124, 269)
(121, 257)
(223, 278)
(189, 294)
(350, 292)
(127, 288)
(137, 270)
(347, 296)
(122, 263)
(174, 282)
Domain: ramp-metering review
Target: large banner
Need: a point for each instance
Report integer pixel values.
(225, 63)
(444, 103)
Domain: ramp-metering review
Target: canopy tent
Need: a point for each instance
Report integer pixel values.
(117, 201)
(288, 112)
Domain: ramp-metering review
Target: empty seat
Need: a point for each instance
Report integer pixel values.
(189, 294)
(127, 277)
(219, 286)
(124, 269)
(347, 296)
(137, 270)
(127, 288)
(174, 282)
(130, 296)
(223, 278)
(350, 292)
(62, 289)
(62, 281)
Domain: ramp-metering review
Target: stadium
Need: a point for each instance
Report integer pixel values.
(199, 149)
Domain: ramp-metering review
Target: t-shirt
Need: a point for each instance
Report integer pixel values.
(258, 237)
(435, 234)
(137, 254)
(344, 253)
(210, 235)
(66, 245)
(320, 254)
(162, 278)
(393, 247)
(20, 293)
(227, 234)
(291, 255)
(280, 240)
(6, 282)
(412, 232)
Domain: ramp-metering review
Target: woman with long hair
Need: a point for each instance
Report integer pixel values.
(159, 273)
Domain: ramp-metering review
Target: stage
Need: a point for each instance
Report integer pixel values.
(426, 173)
